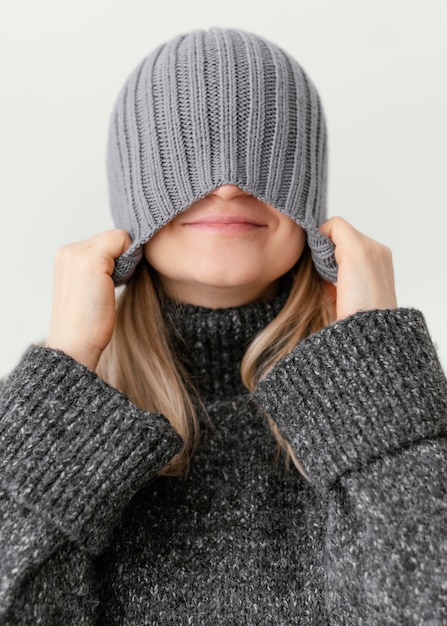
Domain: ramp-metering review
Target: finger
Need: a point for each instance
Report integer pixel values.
(107, 247)
(339, 230)
(349, 242)
(112, 242)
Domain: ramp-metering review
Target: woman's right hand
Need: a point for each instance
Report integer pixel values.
(83, 315)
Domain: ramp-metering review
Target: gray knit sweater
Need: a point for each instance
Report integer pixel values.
(89, 536)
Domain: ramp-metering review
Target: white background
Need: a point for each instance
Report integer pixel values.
(380, 67)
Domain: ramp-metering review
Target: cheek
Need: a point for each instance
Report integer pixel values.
(288, 247)
(160, 252)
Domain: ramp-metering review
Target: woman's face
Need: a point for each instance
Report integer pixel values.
(226, 249)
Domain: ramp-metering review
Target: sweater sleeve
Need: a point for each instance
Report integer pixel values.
(364, 405)
(73, 452)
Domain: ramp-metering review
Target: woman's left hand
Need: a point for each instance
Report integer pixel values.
(365, 270)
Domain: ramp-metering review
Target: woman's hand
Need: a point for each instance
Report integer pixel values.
(365, 270)
(83, 314)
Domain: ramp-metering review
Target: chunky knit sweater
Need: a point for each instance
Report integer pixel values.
(89, 535)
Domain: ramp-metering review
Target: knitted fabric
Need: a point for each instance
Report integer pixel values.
(210, 108)
(87, 540)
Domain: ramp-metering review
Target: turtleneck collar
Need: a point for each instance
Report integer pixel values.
(211, 342)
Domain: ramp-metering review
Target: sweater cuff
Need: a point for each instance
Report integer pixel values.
(356, 390)
(73, 448)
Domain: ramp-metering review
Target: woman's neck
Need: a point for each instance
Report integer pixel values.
(218, 297)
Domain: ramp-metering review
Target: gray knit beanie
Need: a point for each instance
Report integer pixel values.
(209, 108)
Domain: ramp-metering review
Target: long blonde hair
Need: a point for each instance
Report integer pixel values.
(141, 362)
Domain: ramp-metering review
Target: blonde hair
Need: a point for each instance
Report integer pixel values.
(141, 362)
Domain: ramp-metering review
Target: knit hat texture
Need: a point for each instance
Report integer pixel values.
(209, 108)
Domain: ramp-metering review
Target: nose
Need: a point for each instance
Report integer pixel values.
(227, 192)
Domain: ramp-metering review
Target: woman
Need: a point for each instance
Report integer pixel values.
(138, 483)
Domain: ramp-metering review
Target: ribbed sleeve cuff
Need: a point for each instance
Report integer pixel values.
(73, 448)
(356, 390)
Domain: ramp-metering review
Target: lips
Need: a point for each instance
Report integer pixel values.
(226, 224)
(224, 220)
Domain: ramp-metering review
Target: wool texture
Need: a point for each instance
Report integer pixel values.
(90, 536)
(216, 107)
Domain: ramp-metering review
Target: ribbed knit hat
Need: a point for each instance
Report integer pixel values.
(209, 108)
